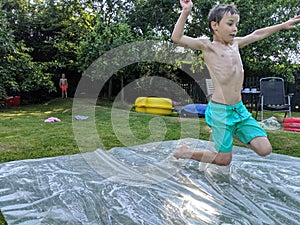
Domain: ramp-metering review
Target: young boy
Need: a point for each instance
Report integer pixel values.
(63, 84)
(226, 114)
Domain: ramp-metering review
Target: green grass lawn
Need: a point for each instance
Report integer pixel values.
(25, 135)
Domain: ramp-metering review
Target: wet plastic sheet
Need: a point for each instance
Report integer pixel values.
(154, 188)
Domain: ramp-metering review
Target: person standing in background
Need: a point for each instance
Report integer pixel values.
(63, 84)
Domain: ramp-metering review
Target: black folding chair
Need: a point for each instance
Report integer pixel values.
(273, 97)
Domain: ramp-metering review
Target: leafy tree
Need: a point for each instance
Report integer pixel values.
(18, 72)
(155, 15)
(106, 36)
(43, 37)
(52, 31)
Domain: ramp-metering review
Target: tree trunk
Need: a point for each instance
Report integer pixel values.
(122, 89)
(110, 84)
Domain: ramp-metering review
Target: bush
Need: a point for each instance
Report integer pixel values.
(3, 95)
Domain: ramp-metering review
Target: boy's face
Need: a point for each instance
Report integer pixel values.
(225, 31)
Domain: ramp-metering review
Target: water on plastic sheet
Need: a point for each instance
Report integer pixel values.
(146, 185)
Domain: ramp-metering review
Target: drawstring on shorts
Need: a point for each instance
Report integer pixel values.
(235, 110)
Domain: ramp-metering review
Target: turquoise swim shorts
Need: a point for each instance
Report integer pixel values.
(229, 120)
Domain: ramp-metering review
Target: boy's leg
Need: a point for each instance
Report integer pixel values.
(206, 156)
(251, 134)
(261, 145)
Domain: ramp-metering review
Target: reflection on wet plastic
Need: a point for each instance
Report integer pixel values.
(154, 188)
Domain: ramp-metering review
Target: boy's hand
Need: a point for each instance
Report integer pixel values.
(290, 24)
(186, 5)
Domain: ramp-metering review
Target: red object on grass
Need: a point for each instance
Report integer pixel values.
(13, 101)
(291, 124)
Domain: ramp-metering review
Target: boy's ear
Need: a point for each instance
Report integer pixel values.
(214, 25)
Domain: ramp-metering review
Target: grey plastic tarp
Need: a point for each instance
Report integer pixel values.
(145, 184)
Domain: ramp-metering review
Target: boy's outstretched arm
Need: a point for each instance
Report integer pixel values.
(267, 31)
(178, 32)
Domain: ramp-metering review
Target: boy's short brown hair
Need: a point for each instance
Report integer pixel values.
(217, 13)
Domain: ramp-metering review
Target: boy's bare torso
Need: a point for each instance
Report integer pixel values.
(226, 70)
(63, 81)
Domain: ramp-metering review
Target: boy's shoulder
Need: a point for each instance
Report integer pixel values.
(203, 43)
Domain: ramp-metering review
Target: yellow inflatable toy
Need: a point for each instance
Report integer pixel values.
(154, 105)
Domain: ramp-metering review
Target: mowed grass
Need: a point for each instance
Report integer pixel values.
(25, 135)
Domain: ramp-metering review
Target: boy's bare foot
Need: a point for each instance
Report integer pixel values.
(183, 152)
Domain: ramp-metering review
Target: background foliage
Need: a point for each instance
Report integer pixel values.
(40, 39)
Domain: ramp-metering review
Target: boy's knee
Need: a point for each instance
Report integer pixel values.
(261, 146)
(264, 151)
(222, 159)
